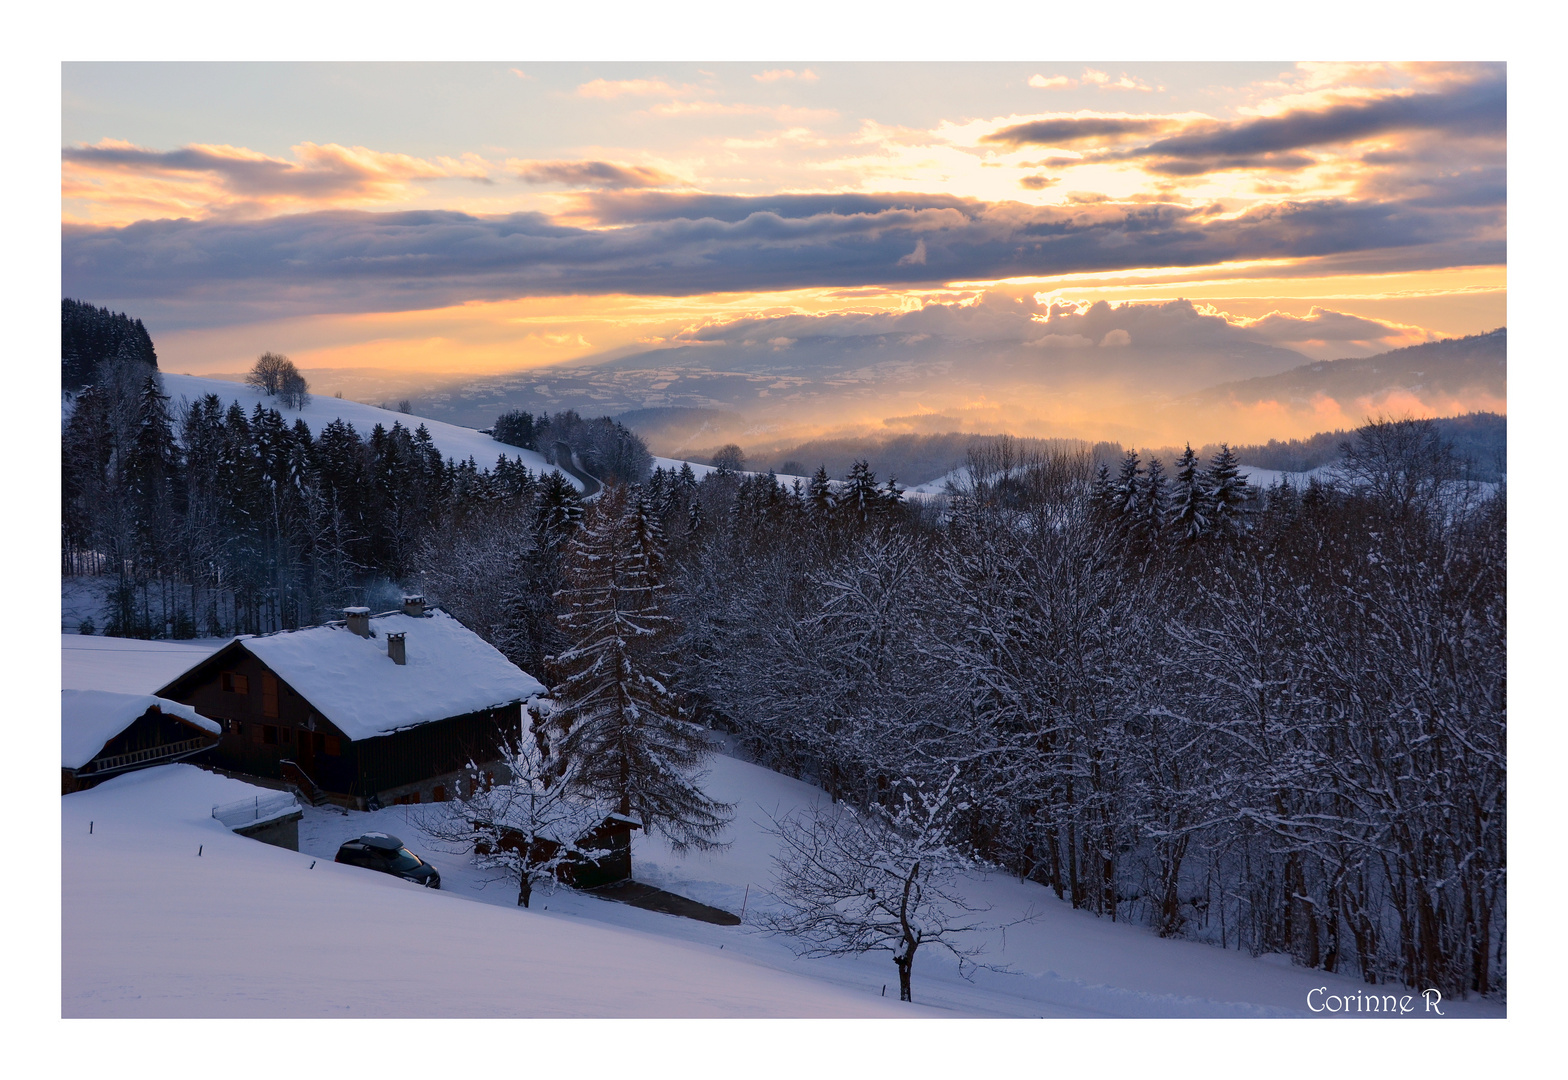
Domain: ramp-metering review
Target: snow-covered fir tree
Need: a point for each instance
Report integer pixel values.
(1190, 503)
(1127, 490)
(618, 728)
(1227, 490)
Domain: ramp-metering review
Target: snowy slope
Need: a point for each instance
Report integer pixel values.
(1064, 963)
(151, 928)
(456, 442)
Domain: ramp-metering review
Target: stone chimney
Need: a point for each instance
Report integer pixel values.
(358, 619)
(414, 605)
(396, 649)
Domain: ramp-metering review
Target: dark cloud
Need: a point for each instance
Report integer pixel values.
(216, 271)
(1039, 181)
(597, 174)
(1202, 166)
(322, 172)
(1467, 110)
(1061, 131)
(244, 175)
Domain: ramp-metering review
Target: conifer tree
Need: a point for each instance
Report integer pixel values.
(819, 493)
(858, 501)
(1190, 515)
(1227, 491)
(1102, 493)
(1127, 493)
(1153, 502)
(617, 724)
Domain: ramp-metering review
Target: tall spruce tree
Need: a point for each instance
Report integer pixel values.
(617, 724)
(819, 494)
(1127, 491)
(1190, 513)
(1154, 503)
(1228, 492)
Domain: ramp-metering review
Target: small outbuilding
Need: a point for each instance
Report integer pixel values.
(601, 856)
(104, 734)
(372, 710)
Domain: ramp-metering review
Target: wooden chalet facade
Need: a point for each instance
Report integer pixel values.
(377, 709)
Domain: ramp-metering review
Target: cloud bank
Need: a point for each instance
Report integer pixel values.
(679, 245)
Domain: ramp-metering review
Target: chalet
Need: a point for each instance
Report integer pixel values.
(371, 710)
(105, 734)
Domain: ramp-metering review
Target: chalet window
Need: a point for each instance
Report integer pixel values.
(235, 683)
(318, 743)
(269, 734)
(334, 745)
(438, 793)
(286, 734)
(255, 733)
(269, 694)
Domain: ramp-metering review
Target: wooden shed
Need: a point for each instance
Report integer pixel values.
(606, 858)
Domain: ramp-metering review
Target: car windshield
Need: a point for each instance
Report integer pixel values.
(403, 859)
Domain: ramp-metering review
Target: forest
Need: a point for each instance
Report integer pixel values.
(1273, 720)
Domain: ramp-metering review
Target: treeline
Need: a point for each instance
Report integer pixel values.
(1478, 439)
(90, 335)
(214, 521)
(607, 448)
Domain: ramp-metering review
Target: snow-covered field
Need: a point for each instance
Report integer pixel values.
(150, 928)
(128, 665)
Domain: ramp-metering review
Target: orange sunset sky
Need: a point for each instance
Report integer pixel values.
(441, 219)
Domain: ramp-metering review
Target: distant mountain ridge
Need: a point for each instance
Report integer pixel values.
(1433, 372)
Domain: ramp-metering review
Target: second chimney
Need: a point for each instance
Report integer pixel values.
(396, 648)
(414, 605)
(358, 619)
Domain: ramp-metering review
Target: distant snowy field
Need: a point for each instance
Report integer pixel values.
(151, 929)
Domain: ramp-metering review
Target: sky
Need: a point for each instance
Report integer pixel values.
(486, 217)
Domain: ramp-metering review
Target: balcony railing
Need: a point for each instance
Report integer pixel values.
(110, 762)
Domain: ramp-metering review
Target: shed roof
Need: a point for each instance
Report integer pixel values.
(450, 670)
(90, 718)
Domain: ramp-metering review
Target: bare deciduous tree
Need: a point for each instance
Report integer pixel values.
(268, 372)
(882, 879)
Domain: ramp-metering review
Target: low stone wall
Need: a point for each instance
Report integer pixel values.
(280, 832)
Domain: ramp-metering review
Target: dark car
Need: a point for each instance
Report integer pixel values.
(378, 851)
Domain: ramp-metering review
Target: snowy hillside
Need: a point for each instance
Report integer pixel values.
(152, 929)
(456, 442)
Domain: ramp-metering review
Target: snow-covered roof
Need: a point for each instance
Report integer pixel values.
(351, 680)
(127, 665)
(90, 718)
